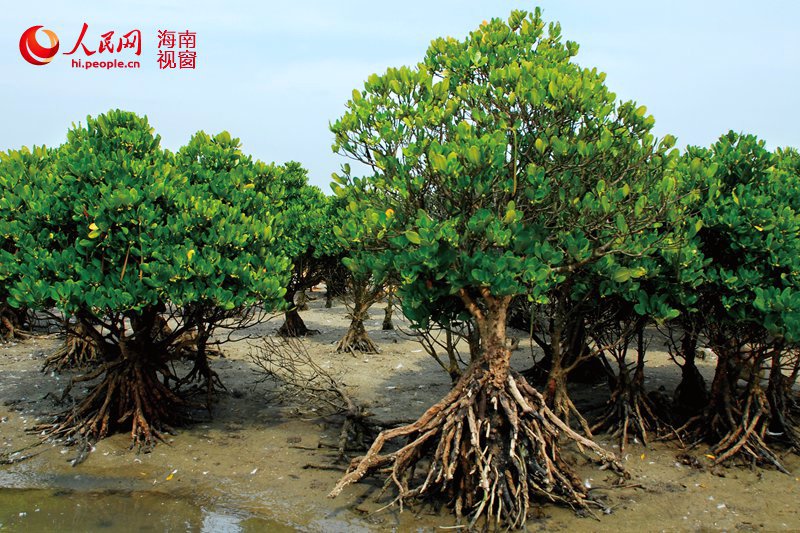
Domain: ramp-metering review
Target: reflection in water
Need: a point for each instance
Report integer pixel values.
(216, 521)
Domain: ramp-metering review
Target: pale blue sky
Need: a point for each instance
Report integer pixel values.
(276, 74)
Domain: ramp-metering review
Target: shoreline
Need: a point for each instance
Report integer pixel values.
(247, 468)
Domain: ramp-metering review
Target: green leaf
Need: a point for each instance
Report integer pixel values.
(621, 275)
(638, 272)
(474, 155)
(412, 236)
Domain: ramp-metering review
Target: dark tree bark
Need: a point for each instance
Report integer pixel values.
(387, 313)
(12, 321)
(691, 395)
(293, 324)
(79, 351)
(127, 394)
(364, 294)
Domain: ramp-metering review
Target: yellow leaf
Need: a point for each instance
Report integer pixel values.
(709, 456)
(169, 477)
(190, 254)
(641, 457)
(759, 228)
(93, 227)
(389, 213)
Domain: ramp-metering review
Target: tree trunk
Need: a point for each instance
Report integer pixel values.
(691, 395)
(557, 394)
(196, 343)
(735, 421)
(293, 325)
(129, 396)
(11, 321)
(489, 448)
(784, 402)
(356, 338)
(335, 282)
(302, 301)
(473, 341)
(629, 410)
(387, 314)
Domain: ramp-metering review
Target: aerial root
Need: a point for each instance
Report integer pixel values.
(735, 430)
(489, 451)
(129, 394)
(79, 351)
(357, 340)
(628, 412)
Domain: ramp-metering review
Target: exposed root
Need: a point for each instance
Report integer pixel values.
(206, 379)
(18, 456)
(192, 346)
(293, 326)
(629, 412)
(129, 396)
(79, 351)
(492, 452)
(735, 428)
(561, 404)
(736, 420)
(784, 403)
(357, 340)
(11, 322)
(629, 409)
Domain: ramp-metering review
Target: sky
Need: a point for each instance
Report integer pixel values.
(276, 75)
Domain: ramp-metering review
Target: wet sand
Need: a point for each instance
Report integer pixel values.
(255, 465)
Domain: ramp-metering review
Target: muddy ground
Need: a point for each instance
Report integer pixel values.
(259, 464)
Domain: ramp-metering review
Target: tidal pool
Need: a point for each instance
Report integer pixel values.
(44, 510)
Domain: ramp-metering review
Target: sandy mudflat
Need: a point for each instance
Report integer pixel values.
(243, 470)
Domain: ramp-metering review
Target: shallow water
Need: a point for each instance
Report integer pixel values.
(115, 510)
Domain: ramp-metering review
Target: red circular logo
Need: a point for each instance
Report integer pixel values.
(32, 51)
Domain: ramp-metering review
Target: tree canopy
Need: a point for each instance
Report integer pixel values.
(500, 165)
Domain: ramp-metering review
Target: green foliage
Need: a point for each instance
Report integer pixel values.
(499, 164)
(307, 217)
(749, 238)
(120, 225)
(19, 172)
